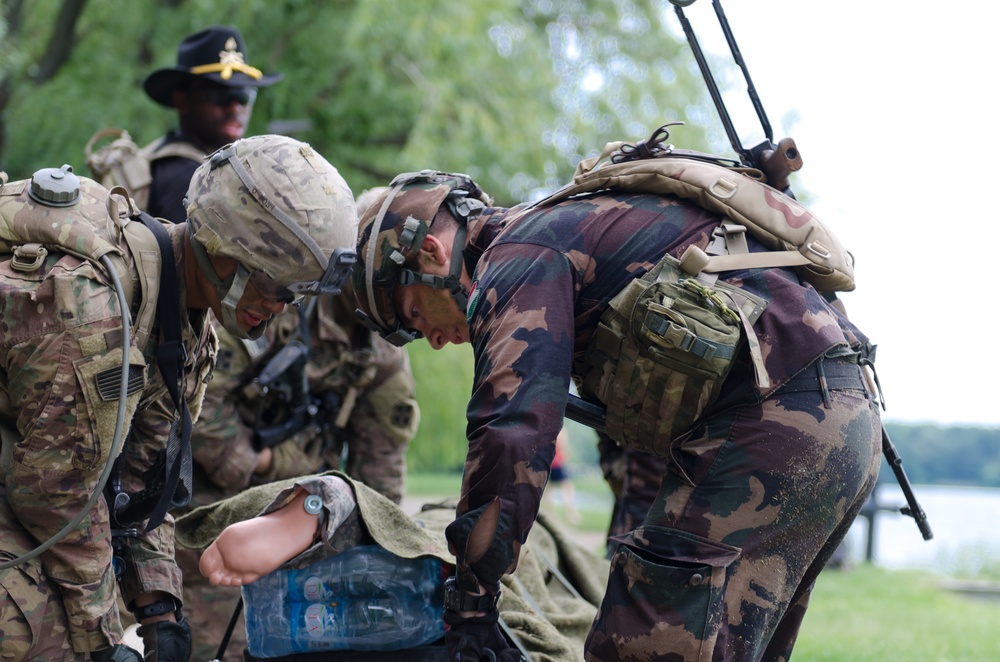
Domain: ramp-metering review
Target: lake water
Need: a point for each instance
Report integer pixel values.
(963, 520)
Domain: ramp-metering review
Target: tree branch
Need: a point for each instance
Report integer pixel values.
(61, 42)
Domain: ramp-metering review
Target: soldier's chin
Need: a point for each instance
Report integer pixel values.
(232, 131)
(249, 321)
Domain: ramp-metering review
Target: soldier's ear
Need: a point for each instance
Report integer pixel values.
(433, 252)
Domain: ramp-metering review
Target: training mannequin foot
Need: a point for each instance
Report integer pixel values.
(247, 550)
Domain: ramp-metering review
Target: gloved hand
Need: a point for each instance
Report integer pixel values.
(477, 639)
(117, 653)
(166, 642)
(296, 456)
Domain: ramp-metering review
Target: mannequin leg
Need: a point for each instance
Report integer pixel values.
(247, 550)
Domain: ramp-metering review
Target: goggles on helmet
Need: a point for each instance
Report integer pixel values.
(338, 270)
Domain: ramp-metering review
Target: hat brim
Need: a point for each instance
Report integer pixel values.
(160, 84)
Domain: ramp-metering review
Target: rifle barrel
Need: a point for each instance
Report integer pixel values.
(738, 57)
(912, 508)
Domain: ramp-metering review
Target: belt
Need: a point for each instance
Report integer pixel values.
(827, 374)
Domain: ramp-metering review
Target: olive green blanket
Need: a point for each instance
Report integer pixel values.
(548, 603)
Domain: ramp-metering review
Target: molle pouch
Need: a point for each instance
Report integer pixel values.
(662, 350)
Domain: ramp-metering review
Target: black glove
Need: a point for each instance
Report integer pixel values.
(477, 639)
(166, 642)
(117, 653)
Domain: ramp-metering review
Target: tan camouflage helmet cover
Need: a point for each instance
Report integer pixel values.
(288, 218)
(276, 206)
(391, 232)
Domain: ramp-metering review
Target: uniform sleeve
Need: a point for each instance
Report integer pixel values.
(522, 329)
(222, 444)
(68, 434)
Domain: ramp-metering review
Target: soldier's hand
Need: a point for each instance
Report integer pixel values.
(117, 653)
(166, 641)
(291, 458)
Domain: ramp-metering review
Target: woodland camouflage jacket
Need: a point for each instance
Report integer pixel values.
(540, 286)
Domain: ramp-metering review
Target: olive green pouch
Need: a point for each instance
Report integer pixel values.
(662, 351)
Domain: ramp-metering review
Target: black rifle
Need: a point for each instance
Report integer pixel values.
(777, 162)
(290, 407)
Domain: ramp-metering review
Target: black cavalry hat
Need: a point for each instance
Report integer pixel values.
(217, 54)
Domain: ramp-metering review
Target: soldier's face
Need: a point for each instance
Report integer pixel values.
(434, 313)
(254, 307)
(215, 115)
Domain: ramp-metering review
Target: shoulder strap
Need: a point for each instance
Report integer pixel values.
(160, 149)
(170, 358)
(146, 255)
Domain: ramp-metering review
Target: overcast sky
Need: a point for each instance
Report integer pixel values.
(893, 105)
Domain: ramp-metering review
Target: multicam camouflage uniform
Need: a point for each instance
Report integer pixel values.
(756, 496)
(59, 327)
(345, 358)
(60, 335)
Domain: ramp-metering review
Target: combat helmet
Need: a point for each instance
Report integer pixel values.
(390, 234)
(279, 209)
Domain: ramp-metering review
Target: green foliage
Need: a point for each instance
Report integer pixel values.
(947, 455)
(444, 382)
(498, 90)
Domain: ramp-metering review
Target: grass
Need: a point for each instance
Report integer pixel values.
(869, 613)
(861, 614)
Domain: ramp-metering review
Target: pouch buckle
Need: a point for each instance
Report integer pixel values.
(28, 257)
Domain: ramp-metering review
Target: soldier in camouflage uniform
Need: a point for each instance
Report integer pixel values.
(244, 254)
(757, 493)
(373, 414)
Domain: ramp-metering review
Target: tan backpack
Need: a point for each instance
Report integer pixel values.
(121, 162)
(797, 238)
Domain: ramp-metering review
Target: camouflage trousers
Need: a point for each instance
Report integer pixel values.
(754, 503)
(33, 621)
(634, 477)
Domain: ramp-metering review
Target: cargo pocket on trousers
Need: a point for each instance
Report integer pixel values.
(664, 597)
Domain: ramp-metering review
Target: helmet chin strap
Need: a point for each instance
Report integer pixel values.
(452, 282)
(230, 291)
(458, 291)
